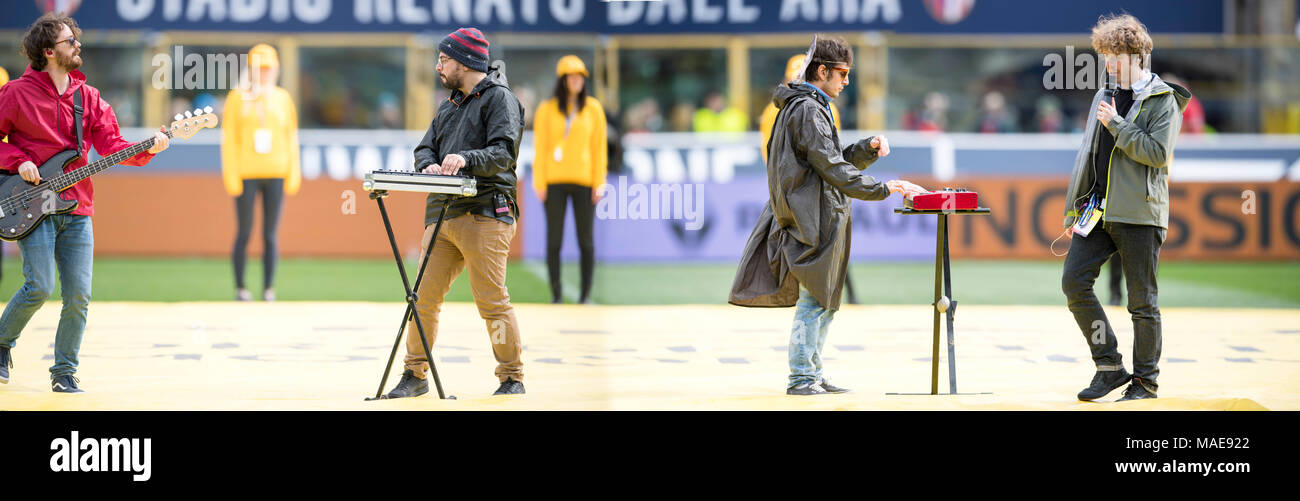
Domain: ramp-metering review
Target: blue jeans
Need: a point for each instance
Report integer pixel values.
(68, 242)
(807, 337)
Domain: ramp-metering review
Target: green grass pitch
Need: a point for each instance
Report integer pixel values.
(1274, 284)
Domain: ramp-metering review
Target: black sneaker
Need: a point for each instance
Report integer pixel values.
(510, 387)
(806, 389)
(5, 364)
(409, 386)
(66, 383)
(1103, 383)
(1136, 391)
(830, 388)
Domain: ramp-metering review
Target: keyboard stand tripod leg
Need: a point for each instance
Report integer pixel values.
(428, 355)
(379, 393)
(411, 298)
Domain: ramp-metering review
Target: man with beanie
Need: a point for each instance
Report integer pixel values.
(476, 132)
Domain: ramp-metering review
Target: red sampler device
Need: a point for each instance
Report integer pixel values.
(948, 199)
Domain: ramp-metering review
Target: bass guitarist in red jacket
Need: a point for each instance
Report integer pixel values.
(36, 112)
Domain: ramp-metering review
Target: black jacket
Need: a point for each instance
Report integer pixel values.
(802, 236)
(485, 127)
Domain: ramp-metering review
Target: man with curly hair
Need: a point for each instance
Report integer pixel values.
(1123, 167)
(37, 114)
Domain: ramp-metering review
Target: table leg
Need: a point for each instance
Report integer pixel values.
(952, 310)
(940, 244)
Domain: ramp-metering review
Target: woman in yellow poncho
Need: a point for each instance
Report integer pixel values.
(570, 158)
(259, 153)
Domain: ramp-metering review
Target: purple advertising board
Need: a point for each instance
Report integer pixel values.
(712, 221)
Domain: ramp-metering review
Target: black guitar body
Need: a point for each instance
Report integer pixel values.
(23, 205)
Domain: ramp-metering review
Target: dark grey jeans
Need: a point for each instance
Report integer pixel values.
(1138, 247)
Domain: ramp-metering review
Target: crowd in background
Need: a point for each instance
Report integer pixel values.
(957, 89)
(993, 112)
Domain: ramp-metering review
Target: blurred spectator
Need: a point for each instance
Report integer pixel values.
(528, 99)
(125, 107)
(390, 112)
(716, 116)
(995, 116)
(682, 118)
(768, 119)
(933, 116)
(204, 99)
(644, 116)
(613, 142)
(179, 105)
(259, 153)
(441, 94)
(333, 104)
(570, 157)
(1048, 116)
(1194, 114)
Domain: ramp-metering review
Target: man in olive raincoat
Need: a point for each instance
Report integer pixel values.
(798, 253)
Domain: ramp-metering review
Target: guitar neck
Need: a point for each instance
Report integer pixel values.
(67, 179)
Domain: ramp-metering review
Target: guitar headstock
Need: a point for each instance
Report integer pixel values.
(190, 122)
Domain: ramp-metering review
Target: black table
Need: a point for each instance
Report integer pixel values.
(942, 278)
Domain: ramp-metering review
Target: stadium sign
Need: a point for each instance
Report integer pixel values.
(621, 17)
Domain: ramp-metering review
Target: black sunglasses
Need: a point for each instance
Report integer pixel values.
(71, 41)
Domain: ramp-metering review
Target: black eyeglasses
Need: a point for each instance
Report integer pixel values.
(71, 41)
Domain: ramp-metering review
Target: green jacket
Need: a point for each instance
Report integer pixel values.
(1137, 191)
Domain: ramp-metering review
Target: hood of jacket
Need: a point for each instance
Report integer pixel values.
(787, 92)
(1181, 95)
(1158, 86)
(495, 77)
(40, 80)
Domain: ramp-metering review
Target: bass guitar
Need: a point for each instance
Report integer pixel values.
(24, 205)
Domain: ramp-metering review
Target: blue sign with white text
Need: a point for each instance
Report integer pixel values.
(623, 17)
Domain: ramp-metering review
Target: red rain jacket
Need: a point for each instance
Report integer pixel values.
(38, 122)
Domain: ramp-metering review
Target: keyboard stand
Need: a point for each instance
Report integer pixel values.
(378, 196)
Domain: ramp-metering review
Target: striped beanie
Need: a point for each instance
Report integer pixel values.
(467, 45)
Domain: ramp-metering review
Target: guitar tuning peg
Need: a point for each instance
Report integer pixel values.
(178, 117)
(207, 109)
(198, 111)
(189, 115)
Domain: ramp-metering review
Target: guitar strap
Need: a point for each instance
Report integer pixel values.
(76, 116)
